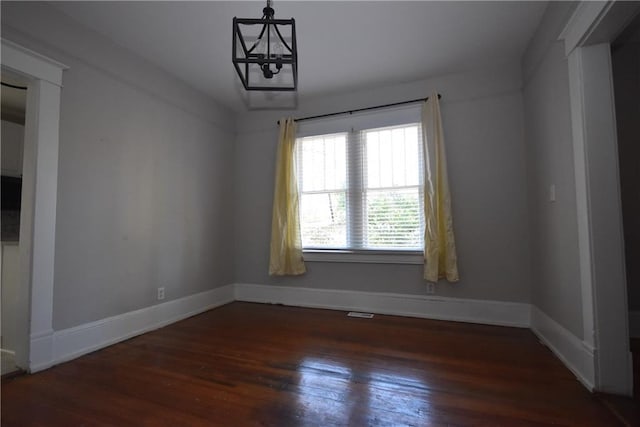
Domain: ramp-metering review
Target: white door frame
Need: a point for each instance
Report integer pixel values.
(39, 195)
(587, 37)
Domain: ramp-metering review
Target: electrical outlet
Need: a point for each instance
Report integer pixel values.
(431, 288)
(160, 293)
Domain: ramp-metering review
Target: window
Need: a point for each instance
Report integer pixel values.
(362, 191)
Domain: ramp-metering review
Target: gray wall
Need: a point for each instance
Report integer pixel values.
(12, 148)
(483, 125)
(626, 76)
(555, 286)
(145, 169)
(157, 188)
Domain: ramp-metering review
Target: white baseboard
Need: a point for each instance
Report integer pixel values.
(50, 348)
(441, 308)
(576, 355)
(634, 324)
(41, 351)
(73, 342)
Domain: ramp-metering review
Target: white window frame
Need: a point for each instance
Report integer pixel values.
(368, 257)
(352, 125)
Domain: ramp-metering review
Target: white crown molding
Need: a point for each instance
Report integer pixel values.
(576, 354)
(440, 308)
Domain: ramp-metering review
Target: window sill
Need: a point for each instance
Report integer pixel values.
(367, 257)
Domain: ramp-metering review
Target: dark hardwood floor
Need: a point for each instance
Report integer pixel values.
(251, 364)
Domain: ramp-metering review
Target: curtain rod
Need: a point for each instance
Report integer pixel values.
(362, 109)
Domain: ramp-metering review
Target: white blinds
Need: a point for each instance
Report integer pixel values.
(322, 186)
(362, 190)
(392, 188)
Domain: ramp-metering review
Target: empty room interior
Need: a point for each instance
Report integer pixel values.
(320, 213)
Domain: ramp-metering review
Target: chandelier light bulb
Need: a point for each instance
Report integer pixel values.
(277, 50)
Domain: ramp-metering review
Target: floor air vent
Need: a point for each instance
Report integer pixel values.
(360, 315)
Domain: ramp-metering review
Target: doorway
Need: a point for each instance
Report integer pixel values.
(625, 62)
(43, 77)
(13, 99)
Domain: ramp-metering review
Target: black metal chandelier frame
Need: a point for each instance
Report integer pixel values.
(270, 63)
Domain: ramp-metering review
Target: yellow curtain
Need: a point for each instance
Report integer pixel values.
(286, 246)
(440, 259)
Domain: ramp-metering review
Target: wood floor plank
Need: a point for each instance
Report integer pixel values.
(251, 364)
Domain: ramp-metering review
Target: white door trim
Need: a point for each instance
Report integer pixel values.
(601, 249)
(582, 23)
(39, 192)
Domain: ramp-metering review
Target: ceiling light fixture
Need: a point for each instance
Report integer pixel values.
(265, 52)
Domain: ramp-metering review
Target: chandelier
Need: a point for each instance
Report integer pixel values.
(264, 52)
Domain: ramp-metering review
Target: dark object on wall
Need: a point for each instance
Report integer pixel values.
(376, 107)
(14, 86)
(268, 60)
(10, 192)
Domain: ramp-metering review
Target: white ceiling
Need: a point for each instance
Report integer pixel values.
(342, 45)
